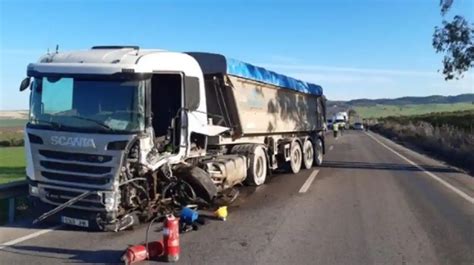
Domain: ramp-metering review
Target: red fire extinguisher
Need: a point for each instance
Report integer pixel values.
(134, 254)
(142, 252)
(171, 238)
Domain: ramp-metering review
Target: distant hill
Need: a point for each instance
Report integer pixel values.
(403, 106)
(463, 98)
(435, 99)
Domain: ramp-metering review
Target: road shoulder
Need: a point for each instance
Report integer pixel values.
(452, 175)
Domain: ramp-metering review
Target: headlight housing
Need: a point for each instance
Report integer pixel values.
(110, 200)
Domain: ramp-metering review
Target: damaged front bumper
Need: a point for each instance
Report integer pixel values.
(97, 210)
(96, 220)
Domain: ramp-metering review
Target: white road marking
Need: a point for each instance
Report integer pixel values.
(331, 147)
(440, 180)
(308, 181)
(28, 237)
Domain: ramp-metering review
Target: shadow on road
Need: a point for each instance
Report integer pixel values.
(386, 166)
(68, 255)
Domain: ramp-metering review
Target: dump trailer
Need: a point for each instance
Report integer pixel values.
(114, 130)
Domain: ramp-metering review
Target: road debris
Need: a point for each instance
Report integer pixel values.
(168, 248)
(139, 253)
(221, 213)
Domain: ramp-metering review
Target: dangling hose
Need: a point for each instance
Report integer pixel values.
(147, 231)
(190, 195)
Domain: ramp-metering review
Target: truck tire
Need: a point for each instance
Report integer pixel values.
(200, 180)
(296, 157)
(308, 154)
(318, 154)
(257, 171)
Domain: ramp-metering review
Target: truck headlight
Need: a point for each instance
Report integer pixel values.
(110, 200)
(34, 191)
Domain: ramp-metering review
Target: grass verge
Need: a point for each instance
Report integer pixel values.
(9, 123)
(12, 164)
(446, 136)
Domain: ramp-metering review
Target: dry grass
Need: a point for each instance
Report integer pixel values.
(449, 143)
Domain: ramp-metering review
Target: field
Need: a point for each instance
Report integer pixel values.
(460, 120)
(12, 164)
(379, 111)
(12, 123)
(11, 137)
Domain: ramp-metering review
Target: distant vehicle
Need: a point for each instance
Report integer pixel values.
(340, 119)
(358, 126)
(329, 123)
(344, 114)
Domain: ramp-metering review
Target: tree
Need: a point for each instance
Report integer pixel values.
(352, 113)
(456, 40)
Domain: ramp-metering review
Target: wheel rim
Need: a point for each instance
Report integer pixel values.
(259, 170)
(308, 154)
(296, 159)
(320, 153)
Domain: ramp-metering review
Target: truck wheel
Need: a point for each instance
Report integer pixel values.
(308, 154)
(200, 180)
(296, 157)
(318, 154)
(257, 172)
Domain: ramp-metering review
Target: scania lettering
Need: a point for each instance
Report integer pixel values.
(72, 141)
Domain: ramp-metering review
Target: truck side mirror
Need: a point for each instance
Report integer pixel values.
(191, 93)
(25, 84)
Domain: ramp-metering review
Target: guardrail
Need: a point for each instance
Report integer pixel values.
(11, 191)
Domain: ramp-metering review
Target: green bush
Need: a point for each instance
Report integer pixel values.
(11, 138)
(5, 143)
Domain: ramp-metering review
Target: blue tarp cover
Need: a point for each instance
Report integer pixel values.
(245, 70)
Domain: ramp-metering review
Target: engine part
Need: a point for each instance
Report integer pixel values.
(227, 170)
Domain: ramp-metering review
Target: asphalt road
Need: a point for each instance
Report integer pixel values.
(372, 202)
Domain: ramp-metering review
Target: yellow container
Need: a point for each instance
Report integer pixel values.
(221, 213)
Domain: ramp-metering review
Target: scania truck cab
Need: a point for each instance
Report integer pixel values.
(118, 123)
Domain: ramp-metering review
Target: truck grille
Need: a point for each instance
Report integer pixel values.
(102, 180)
(79, 168)
(90, 158)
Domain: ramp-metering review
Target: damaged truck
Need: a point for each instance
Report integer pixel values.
(117, 132)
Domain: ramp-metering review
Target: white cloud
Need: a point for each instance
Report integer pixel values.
(340, 78)
(350, 82)
(308, 68)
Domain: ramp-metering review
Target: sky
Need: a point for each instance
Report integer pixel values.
(354, 49)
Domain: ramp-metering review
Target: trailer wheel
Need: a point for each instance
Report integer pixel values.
(318, 154)
(296, 157)
(257, 172)
(200, 180)
(308, 154)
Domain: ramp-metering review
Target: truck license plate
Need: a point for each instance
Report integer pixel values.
(74, 221)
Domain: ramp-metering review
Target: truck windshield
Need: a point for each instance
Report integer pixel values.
(88, 105)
